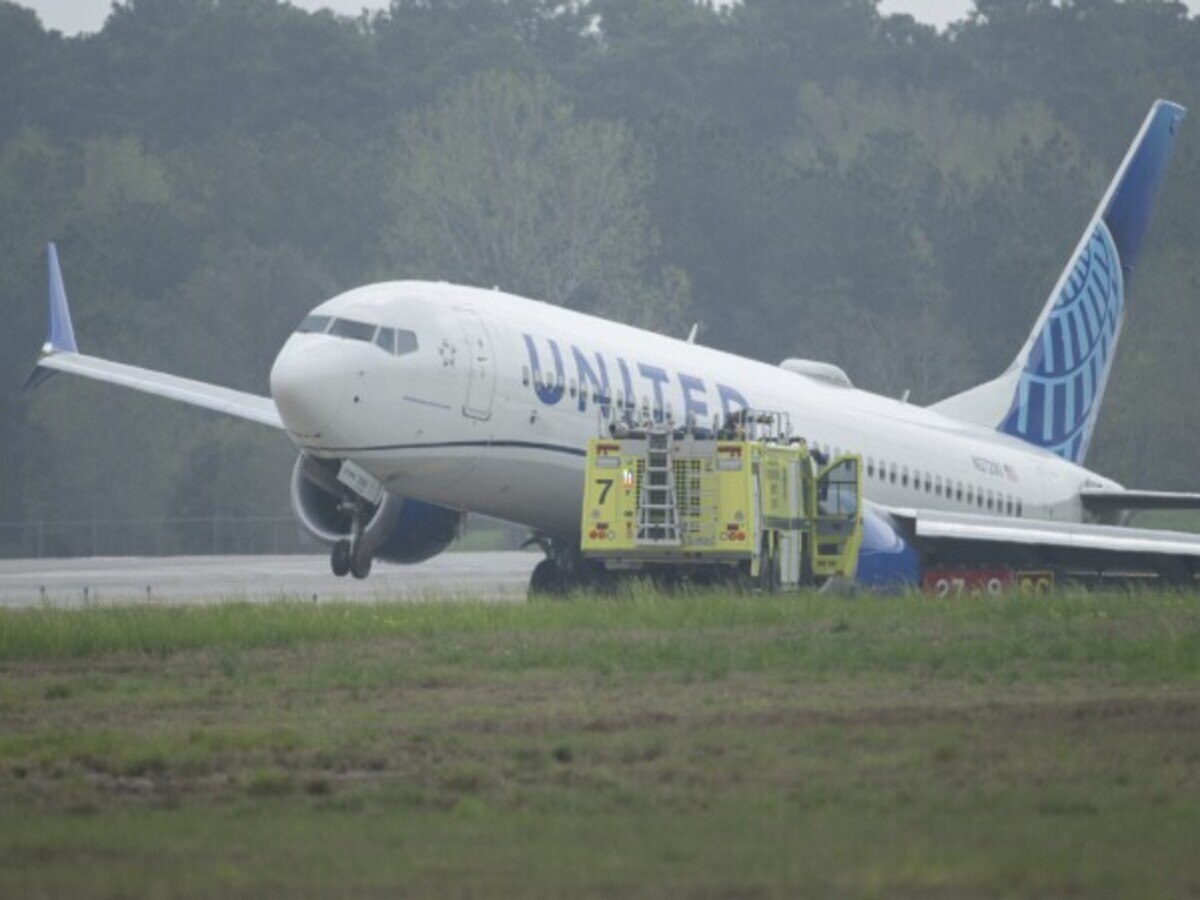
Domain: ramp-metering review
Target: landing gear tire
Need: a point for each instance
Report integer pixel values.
(547, 580)
(360, 563)
(339, 559)
(768, 570)
(564, 570)
(357, 554)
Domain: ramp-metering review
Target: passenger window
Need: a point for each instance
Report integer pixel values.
(990, 498)
(928, 484)
(355, 331)
(937, 485)
(406, 342)
(572, 389)
(313, 325)
(904, 477)
(979, 495)
(970, 495)
(959, 493)
(892, 472)
(525, 376)
(386, 339)
(870, 467)
(1020, 509)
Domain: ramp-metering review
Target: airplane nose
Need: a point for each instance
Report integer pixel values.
(308, 384)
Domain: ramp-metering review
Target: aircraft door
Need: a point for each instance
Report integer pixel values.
(481, 383)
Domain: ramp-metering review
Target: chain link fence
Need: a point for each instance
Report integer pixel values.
(182, 536)
(202, 535)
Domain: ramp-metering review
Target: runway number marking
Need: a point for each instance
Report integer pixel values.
(956, 582)
(987, 582)
(956, 587)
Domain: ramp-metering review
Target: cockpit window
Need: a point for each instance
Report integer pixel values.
(406, 342)
(396, 341)
(355, 331)
(313, 324)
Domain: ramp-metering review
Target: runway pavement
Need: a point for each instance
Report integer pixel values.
(207, 579)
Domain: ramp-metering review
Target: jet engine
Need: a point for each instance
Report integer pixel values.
(398, 530)
(887, 558)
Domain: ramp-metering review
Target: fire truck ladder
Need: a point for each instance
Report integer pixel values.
(658, 512)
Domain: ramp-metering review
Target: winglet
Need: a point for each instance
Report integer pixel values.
(61, 336)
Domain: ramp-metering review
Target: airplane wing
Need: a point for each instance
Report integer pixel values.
(197, 393)
(61, 354)
(955, 537)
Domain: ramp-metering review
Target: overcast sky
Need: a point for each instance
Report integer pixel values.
(73, 16)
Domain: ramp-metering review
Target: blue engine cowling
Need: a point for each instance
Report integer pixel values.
(419, 531)
(886, 560)
(400, 529)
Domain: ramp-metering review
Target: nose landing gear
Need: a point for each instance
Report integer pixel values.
(352, 556)
(339, 559)
(360, 563)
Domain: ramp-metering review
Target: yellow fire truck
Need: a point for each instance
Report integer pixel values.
(745, 502)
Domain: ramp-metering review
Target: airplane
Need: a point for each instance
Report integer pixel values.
(412, 403)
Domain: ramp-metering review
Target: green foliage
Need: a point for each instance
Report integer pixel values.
(642, 746)
(805, 179)
(1138, 635)
(500, 185)
(117, 172)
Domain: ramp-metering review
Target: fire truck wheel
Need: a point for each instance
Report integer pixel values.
(768, 571)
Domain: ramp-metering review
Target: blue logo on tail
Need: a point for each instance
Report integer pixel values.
(1060, 388)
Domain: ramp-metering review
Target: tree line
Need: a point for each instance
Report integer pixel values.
(803, 179)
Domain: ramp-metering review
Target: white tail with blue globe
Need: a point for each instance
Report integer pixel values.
(1051, 393)
(1063, 374)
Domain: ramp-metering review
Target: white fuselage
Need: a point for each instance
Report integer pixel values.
(492, 412)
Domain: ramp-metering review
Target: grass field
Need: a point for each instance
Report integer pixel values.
(1169, 520)
(642, 746)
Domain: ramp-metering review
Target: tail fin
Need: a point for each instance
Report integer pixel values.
(1051, 394)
